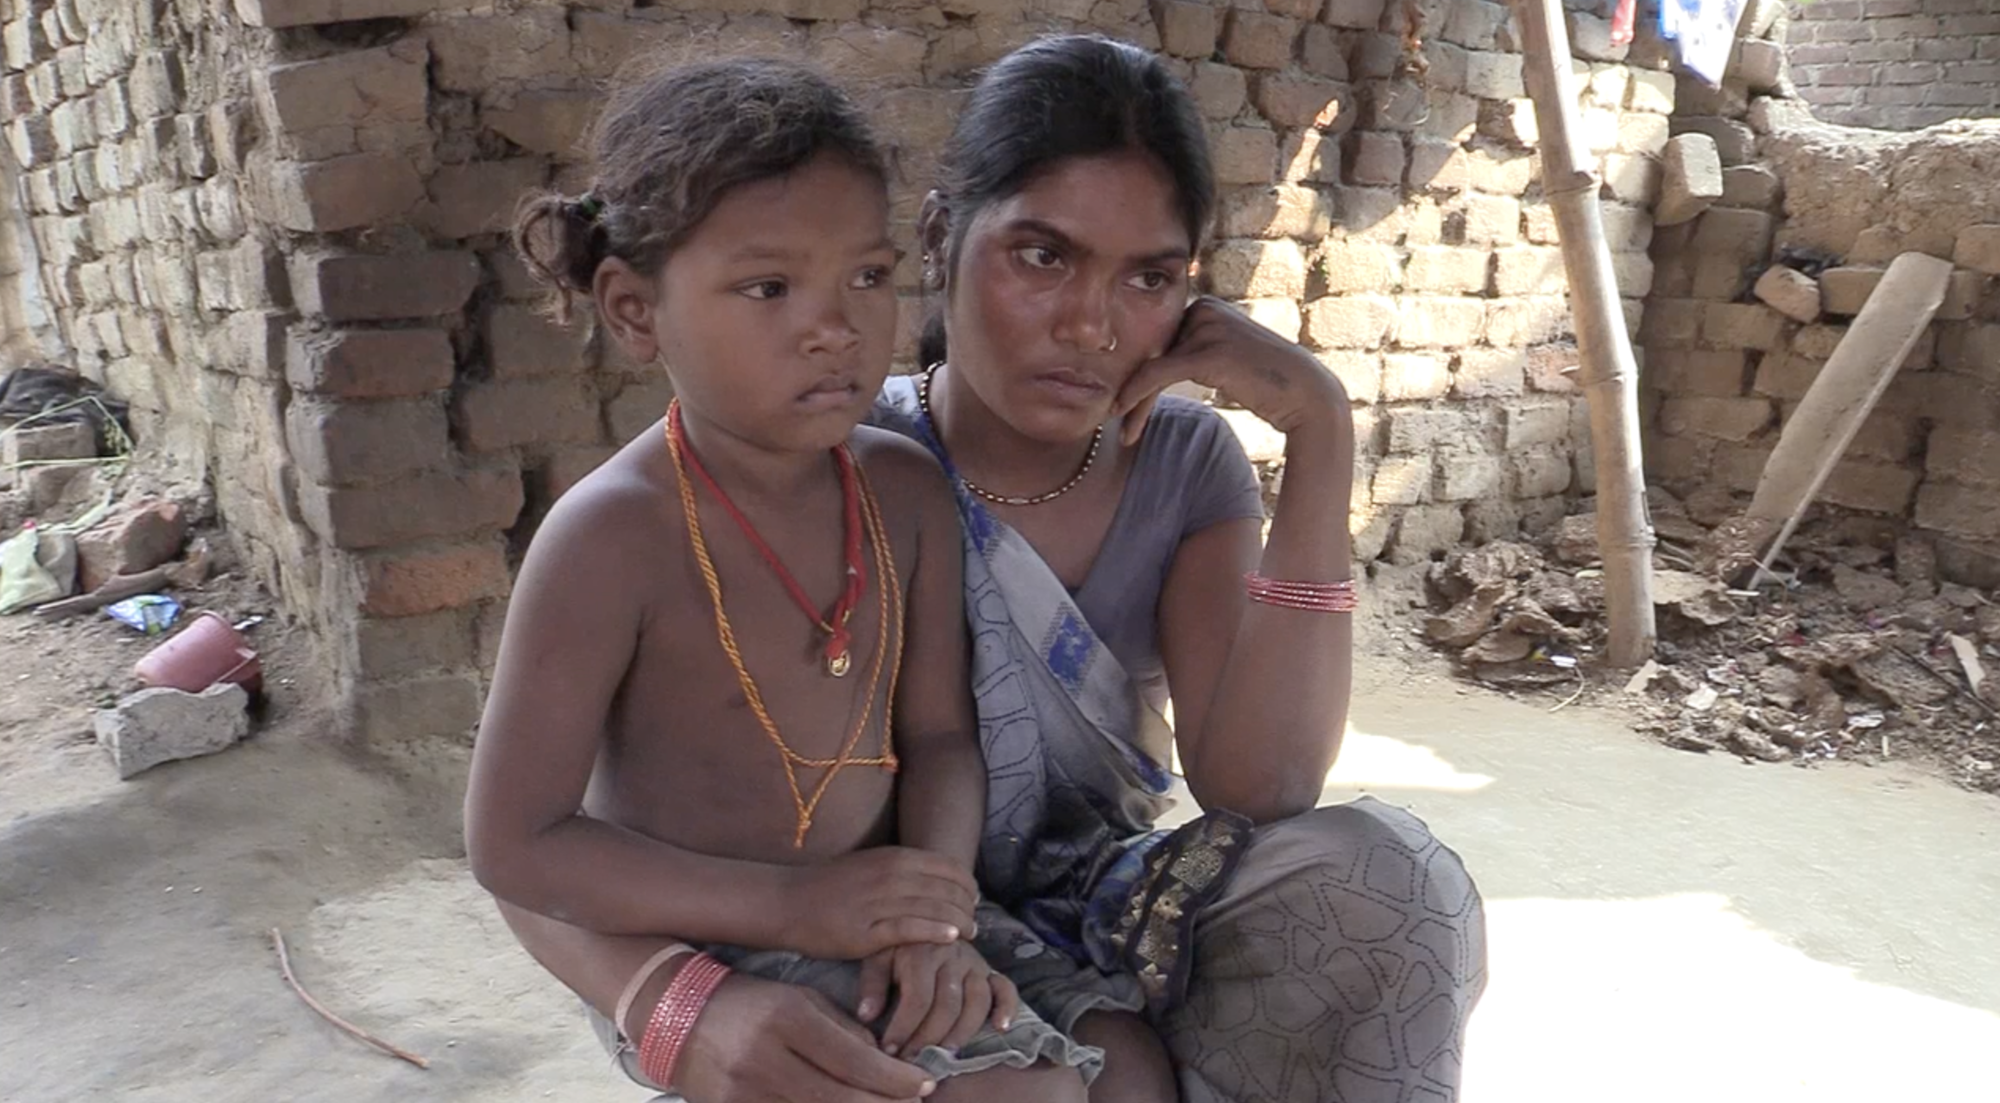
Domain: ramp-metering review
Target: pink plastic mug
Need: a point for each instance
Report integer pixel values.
(208, 651)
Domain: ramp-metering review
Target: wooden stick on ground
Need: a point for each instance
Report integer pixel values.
(114, 589)
(285, 964)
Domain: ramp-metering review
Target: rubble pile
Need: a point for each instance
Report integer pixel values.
(1854, 650)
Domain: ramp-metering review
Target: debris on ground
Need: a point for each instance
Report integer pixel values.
(154, 726)
(1852, 648)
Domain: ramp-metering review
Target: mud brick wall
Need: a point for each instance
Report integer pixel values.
(277, 226)
(1897, 64)
(1752, 297)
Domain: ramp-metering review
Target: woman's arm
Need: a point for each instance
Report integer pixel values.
(1261, 693)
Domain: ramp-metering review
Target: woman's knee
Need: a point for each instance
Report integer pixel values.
(1009, 1085)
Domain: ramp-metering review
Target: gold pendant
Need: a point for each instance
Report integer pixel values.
(837, 665)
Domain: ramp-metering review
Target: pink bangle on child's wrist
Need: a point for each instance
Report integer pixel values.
(1314, 597)
(674, 1017)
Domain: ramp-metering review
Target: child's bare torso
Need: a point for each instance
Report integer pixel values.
(685, 759)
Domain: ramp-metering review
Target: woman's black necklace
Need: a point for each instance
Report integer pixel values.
(1090, 457)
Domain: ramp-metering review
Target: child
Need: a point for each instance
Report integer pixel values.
(732, 702)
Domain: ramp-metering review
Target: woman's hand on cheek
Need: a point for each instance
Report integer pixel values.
(1219, 346)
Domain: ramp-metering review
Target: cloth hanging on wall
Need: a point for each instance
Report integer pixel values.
(1705, 30)
(1621, 21)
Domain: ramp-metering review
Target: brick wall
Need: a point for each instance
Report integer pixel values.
(1897, 64)
(276, 227)
(1752, 297)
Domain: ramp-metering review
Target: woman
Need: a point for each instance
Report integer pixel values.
(1266, 951)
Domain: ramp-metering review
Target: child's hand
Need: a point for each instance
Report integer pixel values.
(944, 994)
(872, 900)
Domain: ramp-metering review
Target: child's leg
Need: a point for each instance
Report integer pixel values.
(1136, 1066)
(1043, 1082)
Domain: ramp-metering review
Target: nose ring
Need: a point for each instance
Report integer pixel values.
(1113, 346)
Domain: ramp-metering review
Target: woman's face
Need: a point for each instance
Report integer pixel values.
(1062, 290)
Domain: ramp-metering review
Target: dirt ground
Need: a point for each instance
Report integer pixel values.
(135, 961)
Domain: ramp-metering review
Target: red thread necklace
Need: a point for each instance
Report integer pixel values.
(840, 639)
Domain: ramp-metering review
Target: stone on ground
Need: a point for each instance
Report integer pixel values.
(136, 539)
(163, 725)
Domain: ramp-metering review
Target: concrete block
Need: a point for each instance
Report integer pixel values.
(1691, 179)
(155, 726)
(639, 407)
(1870, 487)
(1375, 160)
(1447, 268)
(1490, 373)
(1349, 321)
(1436, 321)
(1528, 320)
(1711, 373)
(1790, 292)
(480, 197)
(1633, 178)
(1499, 171)
(1476, 24)
(1425, 429)
(1464, 475)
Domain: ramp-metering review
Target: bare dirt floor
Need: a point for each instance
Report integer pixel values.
(1663, 925)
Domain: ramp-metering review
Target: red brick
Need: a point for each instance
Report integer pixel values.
(523, 341)
(355, 287)
(438, 504)
(505, 414)
(411, 583)
(338, 443)
(341, 193)
(370, 363)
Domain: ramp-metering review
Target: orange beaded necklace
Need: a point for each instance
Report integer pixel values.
(889, 604)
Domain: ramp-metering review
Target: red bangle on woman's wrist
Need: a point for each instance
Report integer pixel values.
(1313, 597)
(674, 1017)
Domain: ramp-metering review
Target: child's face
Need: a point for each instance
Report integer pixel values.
(777, 316)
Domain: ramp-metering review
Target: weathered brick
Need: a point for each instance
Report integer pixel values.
(1221, 90)
(1715, 374)
(1639, 132)
(1401, 480)
(470, 54)
(1540, 472)
(1959, 510)
(481, 197)
(1430, 321)
(1692, 179)
(1322, 53)
(1281, 210)
(339, 443)
(1735, 143)
(1750, 186)
(1787, 375)
(1552, 367)
(1732, 234)
(1475, 24)
(1974, 349)
(1249, 269)
(1846, 290)
(1360, 374)
(1978, 248)
(1437, 165)
(1529, 270)
(1425, 429)
(1743, 326)
(353, 287)
(1246, 155)
(499, 415)
(1349, 321)
(1299, 101)
(1280, 316)
(1422, 532)
(432, 505)
(1376, 56)
(1490, 372)
(1464, 474)
(568, 467)
(369, 363)
(378, 649)
(1651, 92)
(1453, 117)
(1490, 219)
(1374, 159)
(638, 408)
(320, 105)
(1633, 178)
(1528, 320)
(339, 194)
(523, 341)
(299, 13)
(1186, 29)
(1255, 40)
(1494, 76)
(1963, 455)
(1870, 487)
(551, 123)
(1356, 14)
(1731, 419)
(1447, 268)
(1791, 292)
(411, 583)
(1408, 377)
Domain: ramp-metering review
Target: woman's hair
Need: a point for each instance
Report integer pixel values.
(666, 150)
(1058, 98)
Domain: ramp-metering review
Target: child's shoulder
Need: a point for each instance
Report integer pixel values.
(620, 502)
(891, 454)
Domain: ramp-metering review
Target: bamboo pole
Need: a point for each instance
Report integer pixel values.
(1609, 377)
